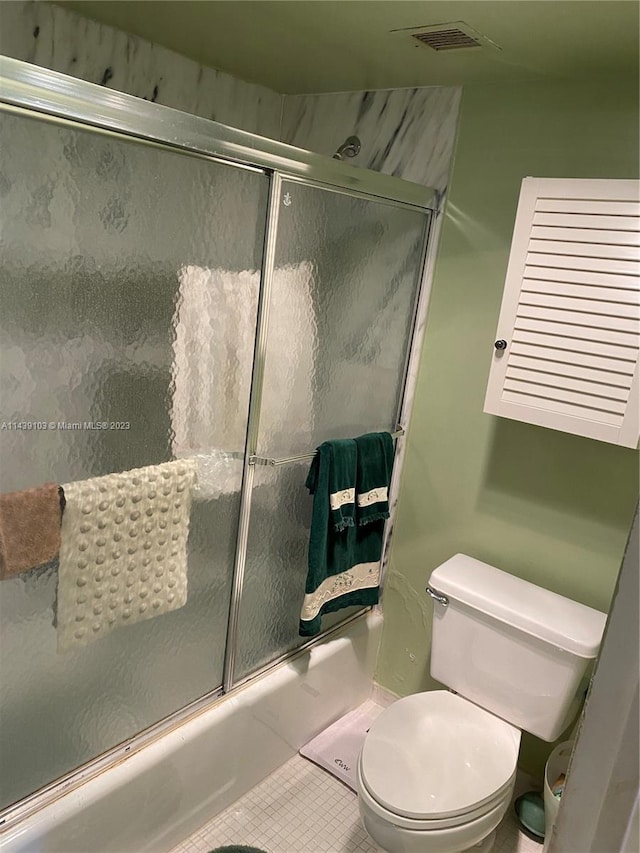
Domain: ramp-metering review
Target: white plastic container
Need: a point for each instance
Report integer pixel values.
(558, 763)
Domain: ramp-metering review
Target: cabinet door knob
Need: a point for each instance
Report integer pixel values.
(500, 344)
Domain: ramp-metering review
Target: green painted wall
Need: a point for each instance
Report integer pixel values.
(552, 508)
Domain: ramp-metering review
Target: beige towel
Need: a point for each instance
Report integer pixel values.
(29, 529)
(123, 556)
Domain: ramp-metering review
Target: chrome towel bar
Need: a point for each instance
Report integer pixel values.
(261, 460)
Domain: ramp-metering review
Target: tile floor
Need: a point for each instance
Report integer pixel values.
(302, 809)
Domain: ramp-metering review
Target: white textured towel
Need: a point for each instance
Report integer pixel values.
(213, 359)
(123, 553)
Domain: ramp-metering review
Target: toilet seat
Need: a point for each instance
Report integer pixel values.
(435, 759)
(497, 805)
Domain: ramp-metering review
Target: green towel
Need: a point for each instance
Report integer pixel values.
(344, 558)
(341, 460)
(373, 476)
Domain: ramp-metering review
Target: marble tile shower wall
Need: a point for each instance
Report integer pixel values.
(55, 38)
(409, 133)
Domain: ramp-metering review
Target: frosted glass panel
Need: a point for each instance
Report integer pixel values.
(345, 281)
(128, 295)
(276, 569)
(344, 287)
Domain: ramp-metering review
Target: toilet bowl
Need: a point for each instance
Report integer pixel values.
(436, 773)
(437, 770)
(477, 835)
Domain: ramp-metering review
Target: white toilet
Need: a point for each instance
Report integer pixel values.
(437, 769)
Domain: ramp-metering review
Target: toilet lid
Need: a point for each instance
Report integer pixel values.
(434, 755)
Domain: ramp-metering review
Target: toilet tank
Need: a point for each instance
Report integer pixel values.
(522, 652)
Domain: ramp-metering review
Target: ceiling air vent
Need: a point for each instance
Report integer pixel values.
(455, 35)
(449, 39)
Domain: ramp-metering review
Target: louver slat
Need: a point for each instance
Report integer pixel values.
(571, 311)
(599, 279)
(590, 250)
(548, 392)
(601, 207)
(614, 365)
(582, 304)
(558, 383)
(585, 235)
(566, 369)
(572, 262)
(600, 348)
(582, 220)
(533, 289)
(575, 332)
(567, 319)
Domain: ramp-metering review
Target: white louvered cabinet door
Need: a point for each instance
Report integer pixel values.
(568, 337)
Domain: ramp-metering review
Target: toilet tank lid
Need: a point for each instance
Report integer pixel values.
(546, 615)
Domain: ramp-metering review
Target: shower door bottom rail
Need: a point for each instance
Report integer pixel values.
(29, 805)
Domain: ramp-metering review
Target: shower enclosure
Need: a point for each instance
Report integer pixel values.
(172, 288)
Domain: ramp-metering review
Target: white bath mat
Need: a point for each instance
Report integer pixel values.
(123, 553)
(337, 748)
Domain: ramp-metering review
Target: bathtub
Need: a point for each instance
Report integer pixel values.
(158, 796)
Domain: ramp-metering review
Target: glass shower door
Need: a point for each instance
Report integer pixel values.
(346, 274)
(128, 295)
